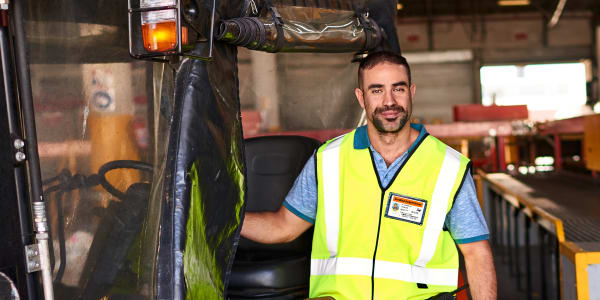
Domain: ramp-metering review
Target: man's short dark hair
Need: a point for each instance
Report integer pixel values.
(380, 57)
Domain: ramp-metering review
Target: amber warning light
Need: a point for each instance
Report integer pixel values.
(162, 36)
(159, 28)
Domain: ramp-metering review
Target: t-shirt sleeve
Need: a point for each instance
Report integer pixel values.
(302, 198)
(465, 220)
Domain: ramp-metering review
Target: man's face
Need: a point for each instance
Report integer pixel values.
(386, 95)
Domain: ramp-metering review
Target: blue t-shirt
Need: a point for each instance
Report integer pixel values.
(465, 221)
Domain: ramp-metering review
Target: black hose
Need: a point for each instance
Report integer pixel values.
(68, 182)
(61, 237)
(64, 178)
(247, 32)
(7, 74)
(64, 175)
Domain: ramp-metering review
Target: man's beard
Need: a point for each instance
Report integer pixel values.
(379, 122)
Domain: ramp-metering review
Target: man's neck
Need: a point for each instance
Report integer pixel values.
(392, 145)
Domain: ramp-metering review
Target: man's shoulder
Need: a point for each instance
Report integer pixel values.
(435, 140)
(442, 147)
(336, 141)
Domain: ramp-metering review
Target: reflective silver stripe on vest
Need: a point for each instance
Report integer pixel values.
(331, 193)
(439, 206)
(383, 269)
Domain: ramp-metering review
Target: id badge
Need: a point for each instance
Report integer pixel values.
(406, 208)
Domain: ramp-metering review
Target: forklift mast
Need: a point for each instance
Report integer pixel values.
(25, 258)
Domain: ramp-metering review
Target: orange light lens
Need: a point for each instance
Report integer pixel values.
(162, 36)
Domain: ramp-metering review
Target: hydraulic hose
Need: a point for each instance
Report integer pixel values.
(301, 29)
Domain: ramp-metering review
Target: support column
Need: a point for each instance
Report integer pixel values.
(501, 148)
(557, 153)
(107, 120)
(264, 72)
(596, 83)
(476, 67)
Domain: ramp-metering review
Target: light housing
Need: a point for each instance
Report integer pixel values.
(157, 30)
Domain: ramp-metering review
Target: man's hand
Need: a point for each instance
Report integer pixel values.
(481, 274)
(281, 226)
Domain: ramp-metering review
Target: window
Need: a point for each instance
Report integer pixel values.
(550, 91)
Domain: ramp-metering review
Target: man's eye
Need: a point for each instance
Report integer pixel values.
(376, 91)
(398, 90)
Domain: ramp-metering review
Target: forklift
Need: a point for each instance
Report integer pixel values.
(125, 172)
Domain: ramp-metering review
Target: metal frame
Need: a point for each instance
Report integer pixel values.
(14, 127)
(557, 128)
(154, 56)
(24, 101)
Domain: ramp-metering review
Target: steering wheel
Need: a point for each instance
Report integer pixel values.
(120, 164)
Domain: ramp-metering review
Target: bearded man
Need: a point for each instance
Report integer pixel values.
(390, 204)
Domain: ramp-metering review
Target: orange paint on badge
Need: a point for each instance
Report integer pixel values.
(407, 201)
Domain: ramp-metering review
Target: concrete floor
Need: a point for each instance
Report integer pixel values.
(508, 287)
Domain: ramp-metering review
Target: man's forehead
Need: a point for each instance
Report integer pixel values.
(387, 65)
(385, 70)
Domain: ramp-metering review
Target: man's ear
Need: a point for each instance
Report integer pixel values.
(413, 89)
(360, 97)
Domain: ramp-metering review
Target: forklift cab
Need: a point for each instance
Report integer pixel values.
(137, 134)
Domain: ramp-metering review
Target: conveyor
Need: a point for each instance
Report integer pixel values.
(572, 198)
(563, 208)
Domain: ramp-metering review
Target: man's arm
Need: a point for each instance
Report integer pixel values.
(481, 274)
(273, 227)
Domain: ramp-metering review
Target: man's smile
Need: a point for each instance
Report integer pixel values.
(390, 113)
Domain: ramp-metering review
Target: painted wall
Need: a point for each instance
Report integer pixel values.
(489, 33)
(493, 39)
(439, 87)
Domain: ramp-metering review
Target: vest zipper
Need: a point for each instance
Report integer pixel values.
(383, 190)
(375, 251)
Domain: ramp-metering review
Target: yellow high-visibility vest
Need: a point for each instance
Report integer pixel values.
(375, 242)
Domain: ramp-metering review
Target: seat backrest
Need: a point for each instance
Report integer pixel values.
(272, 165)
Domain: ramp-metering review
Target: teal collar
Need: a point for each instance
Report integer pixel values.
(361, 138)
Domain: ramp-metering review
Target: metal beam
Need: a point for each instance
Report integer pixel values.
(557, 13)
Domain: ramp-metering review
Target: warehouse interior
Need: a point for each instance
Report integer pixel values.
(512, 84)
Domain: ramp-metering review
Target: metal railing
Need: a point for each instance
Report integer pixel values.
(514, 222)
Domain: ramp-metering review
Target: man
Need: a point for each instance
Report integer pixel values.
(389, 204)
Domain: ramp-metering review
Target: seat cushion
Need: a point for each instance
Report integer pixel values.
(281, 273)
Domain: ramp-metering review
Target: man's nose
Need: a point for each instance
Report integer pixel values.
(388, 98)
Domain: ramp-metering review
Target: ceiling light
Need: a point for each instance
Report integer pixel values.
(513, 2)
(399, 6)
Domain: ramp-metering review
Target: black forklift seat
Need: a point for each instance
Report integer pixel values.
(276, 271)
